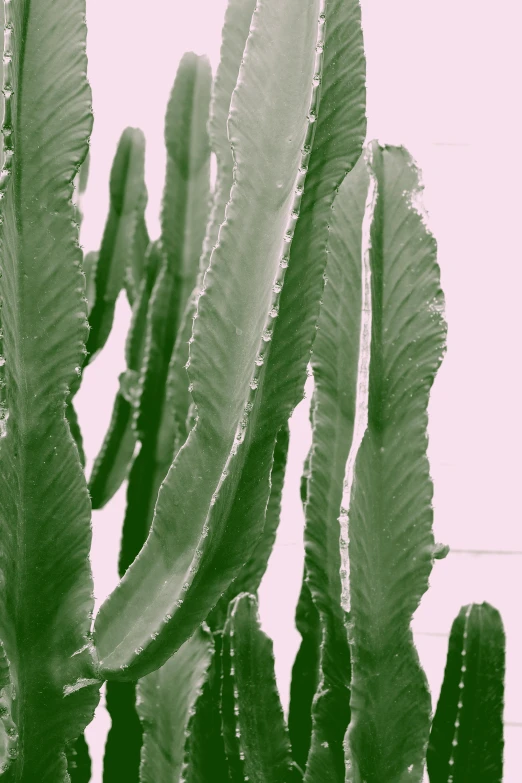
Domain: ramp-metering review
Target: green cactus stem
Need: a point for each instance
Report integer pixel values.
(46, 599)
(387, 546)
(251, 318)
(466, 740)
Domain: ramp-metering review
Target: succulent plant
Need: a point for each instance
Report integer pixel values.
(304, 252)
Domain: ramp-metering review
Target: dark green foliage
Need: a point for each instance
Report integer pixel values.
(466, 741)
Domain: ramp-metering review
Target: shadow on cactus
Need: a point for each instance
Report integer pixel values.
(305, 251)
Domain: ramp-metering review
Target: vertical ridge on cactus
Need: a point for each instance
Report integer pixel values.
(232, 330)
(466, 740)
(256, 736)
(46, 600)
(386, 514)
(165, 700)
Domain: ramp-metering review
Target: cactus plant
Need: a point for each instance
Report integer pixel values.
(242, 383)
(293, 257)
(466, 739)
(47, 600)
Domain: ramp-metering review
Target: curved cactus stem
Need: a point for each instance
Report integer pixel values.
(466, 741)
(247, 373)
(256, 737)
(46, 600)
(184, 217)
(112, 463)
(127, 203)
(165, 701)
(386, 512)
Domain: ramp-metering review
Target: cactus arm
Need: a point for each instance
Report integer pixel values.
(112, 463)
(205, 758)
(250, 576)
(334, 363)
(256, 737)
(46, 598)
(211, 540)
(386, 513)
(466, 741)
(185, 204)
(165, 702)
(183, 221)
(127, 198)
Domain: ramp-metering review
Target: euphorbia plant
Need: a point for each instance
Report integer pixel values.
(228, 305)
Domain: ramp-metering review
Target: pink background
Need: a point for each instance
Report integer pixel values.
(444, 80)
